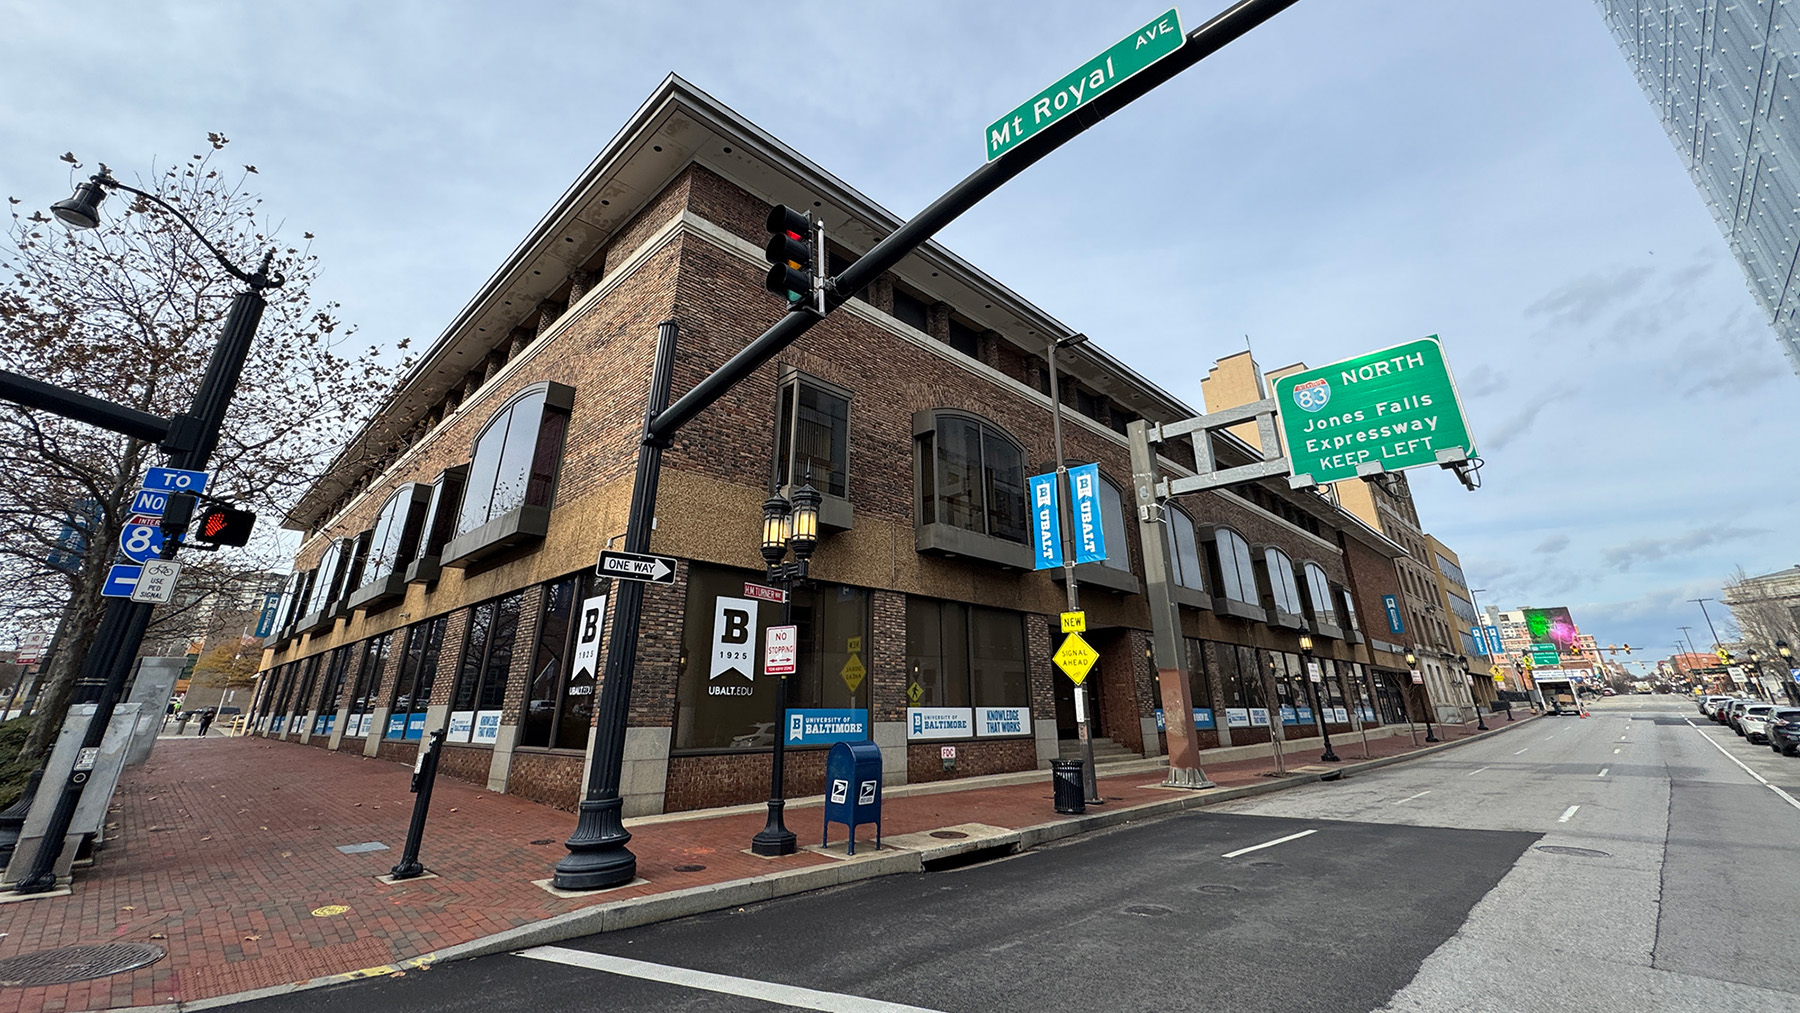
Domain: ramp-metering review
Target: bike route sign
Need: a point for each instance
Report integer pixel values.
(1384, 411)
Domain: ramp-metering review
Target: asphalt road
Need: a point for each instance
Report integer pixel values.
(1426, 886)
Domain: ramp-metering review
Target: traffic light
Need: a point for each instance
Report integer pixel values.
(790, 252)
(223, 525)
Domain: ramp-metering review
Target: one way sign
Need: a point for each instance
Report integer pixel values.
(637, 566)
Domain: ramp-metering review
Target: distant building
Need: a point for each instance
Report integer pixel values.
(1720, 74)
(1458, 610)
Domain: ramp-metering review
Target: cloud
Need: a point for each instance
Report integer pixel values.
(1644, 550)
(1579, 302)
(1483, 380)
(1522, 420)
(1555, 543)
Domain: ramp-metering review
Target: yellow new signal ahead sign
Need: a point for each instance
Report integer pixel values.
(1075, 658)
(1074, 622)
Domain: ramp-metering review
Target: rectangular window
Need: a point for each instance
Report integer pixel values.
(721, 701)
(1200, 682)
(418, 673)
(480, 690)
(964, 655)
(964, 339)
(813, 438)
(560, 702)
(368, 682)
(911, 311)
(303, 693)
(1090, 404)
(330, 691)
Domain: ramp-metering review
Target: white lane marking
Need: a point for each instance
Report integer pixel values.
(1521, 751)
(768, 991)
(1791, 800)
(1570, 811)
(1603, 771)
(1472, 773)
(1409, 798)
(1621, 738)
(1547, 738)
(1268, 844)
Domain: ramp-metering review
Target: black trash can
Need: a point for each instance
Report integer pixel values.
(1070, 797)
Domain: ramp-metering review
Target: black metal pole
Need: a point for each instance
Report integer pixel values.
(775, 839)
(1319, 713)
(408, 866)
(1425, 709)
(121, 632)
(598, 857)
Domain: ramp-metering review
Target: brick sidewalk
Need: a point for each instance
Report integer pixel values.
(223, 849)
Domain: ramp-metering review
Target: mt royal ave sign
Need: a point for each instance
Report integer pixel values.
(1384, 411)
(1136, 51)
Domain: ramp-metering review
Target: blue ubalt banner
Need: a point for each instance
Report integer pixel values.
(1392, 604)
(1492, 635)
(1090, 533)
(1046, 521)
(821, 727)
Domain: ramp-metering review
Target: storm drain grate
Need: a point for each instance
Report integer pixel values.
(76, 963)
(1561, 849)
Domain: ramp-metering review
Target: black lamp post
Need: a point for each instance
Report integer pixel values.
(189, 439)
(1462, 661)
(1787, 668)
(1412, 662)
(783, 529)
(1306, 648)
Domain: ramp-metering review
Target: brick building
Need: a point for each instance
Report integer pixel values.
(451, 546)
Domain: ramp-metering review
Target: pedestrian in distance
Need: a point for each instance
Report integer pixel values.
(206, 719)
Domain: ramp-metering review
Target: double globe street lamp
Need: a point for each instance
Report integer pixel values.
(1306, 648)
(1412, 663)
(785, 527)
(1462, 662)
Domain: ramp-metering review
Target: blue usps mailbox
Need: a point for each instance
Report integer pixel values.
(853, 789)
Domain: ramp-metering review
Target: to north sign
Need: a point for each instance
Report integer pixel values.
(637, 566)
(1385, 411)
(1136, 51)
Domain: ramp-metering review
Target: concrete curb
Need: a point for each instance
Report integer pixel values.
(635, 911)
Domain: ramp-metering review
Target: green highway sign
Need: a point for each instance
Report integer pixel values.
(1384, 411)
(1136, 51)
(1544, 654)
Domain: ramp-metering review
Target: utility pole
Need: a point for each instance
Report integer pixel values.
(1065, 499)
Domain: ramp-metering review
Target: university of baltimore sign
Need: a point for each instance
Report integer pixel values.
(1384, 411)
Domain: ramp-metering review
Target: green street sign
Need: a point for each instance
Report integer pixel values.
(1136, 51)
(1544, 654)
(1384, 411)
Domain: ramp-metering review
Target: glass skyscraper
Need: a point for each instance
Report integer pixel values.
(1723, 76)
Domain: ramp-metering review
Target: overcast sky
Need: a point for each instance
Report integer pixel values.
(1354, 174)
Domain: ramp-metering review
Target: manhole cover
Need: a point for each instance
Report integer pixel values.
(1149, 910)
(1267, 865)
(949, 835)
(76, 963)
(1559, 849)
(1217, 888)
(690, 868)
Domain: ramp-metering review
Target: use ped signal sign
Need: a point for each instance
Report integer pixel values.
(1129, 55)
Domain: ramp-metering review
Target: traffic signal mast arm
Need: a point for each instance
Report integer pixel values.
(1225, 28)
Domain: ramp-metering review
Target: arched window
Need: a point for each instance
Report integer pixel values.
(1184, 550)
(396, 532)
(515, 457)
(972, 477)
(1237, 581)
(1281, 581)
(1318, 592)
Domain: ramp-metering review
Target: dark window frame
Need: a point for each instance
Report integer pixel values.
(786, 470)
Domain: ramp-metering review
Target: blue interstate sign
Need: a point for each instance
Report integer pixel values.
(822, 727)
(175, 480)
(1392, 604)
(1046, 522)
(1090, 533)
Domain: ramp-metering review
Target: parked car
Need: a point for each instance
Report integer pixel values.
(1753, 724)
(1709, 702)
(1735, 711)
(1728, 710)
(1784, 730)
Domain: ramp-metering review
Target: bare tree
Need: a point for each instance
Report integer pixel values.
(130, 312)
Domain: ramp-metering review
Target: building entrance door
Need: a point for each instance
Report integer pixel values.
(1065, 704)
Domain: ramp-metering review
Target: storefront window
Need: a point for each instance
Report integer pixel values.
(368, 682)
(560, 700)
(480, 692)
(722, 701)
(965, 655)
(325, 719)
(418, 673)
(1239, 678)
(1199, 674)
(309, 675)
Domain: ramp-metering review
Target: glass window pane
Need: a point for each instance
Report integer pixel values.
(1112, 518)
(928, 511)
(822, 440)
(720, 704)
(1187, 548)
(546, 459)
(500, 652)
(1005, 487)
(547, 667)
(997, 663)
(468, 675)
(514, 470)
(959, 475)
(484, 468)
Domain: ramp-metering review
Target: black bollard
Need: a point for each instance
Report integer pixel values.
(424, 776)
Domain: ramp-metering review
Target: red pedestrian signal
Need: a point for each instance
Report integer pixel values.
(223, 525)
